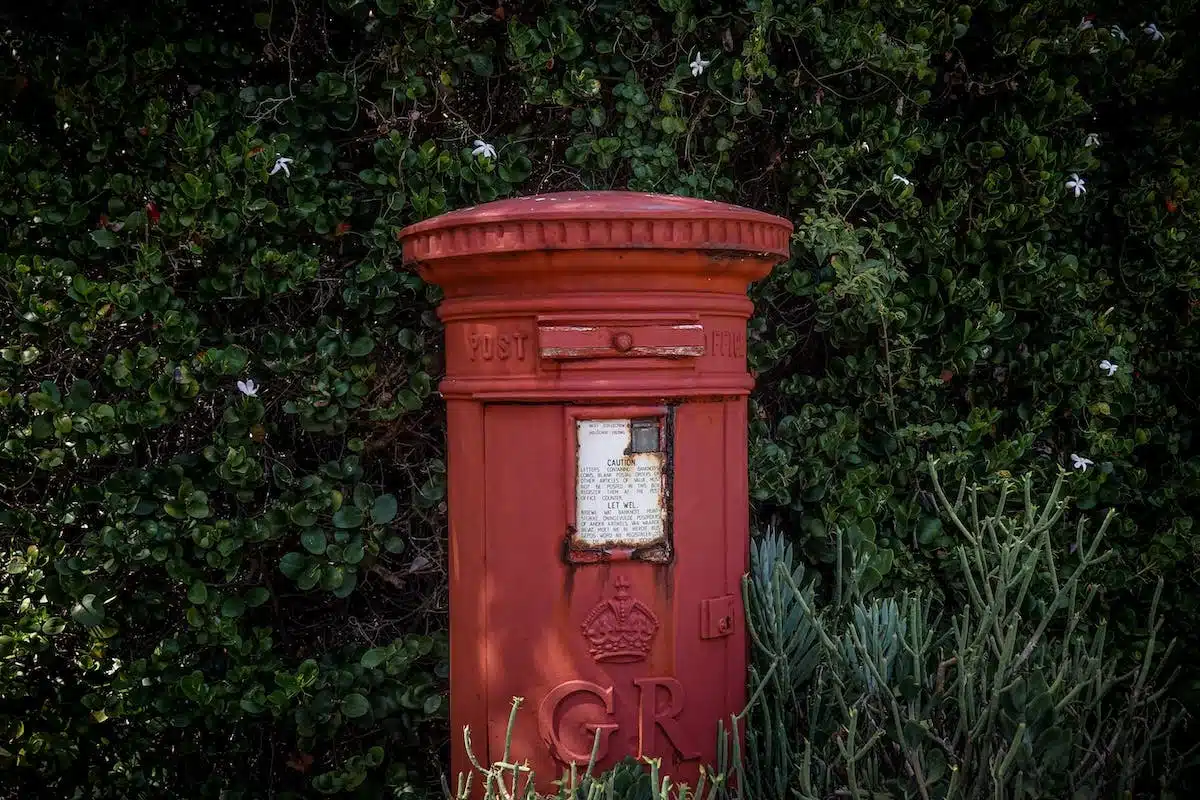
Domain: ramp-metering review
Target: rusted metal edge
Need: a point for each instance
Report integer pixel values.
(660, 552)
(567, 353)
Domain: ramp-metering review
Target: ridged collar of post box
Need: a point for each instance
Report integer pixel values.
(596, 294)
(600, 220)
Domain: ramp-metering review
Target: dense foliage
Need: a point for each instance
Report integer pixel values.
(231, 591)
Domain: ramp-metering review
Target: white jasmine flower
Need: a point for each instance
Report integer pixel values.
(1153, 32)
(1092, 140)
(248, 387)
(699, 65)
(1076, 184)
(484, 149)
(281, 163)
(902, 179)
(1085, 24)
(1109, 367)
(1118, 33)
(1079, 462)
(865, 146)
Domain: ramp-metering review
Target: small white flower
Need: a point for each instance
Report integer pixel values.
(1153, 32)
(484, 149)
(865, 146)
(902, 179)
(1118, 33)
(1085, 24)
(281, 163)
(1092, 140)
(698, 66)
(1076, 185)
(248, 387)
(1079, 462)
(1109, 367)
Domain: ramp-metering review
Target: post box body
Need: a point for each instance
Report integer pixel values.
(596, 390)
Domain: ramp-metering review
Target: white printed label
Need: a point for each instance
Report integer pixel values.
(618, 496)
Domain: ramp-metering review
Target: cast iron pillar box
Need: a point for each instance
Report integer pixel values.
(596, 391)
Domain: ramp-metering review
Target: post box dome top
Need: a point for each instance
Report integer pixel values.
(601, 220)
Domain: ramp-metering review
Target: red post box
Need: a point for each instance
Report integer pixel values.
(596, 391)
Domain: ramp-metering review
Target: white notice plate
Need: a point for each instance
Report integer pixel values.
(619, 488)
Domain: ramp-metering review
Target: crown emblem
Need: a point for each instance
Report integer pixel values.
(620, 629)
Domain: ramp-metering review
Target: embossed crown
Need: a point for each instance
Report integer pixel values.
(620, 629)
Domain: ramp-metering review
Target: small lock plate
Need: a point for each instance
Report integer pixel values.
(718, 616)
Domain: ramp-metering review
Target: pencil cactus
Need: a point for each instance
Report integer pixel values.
(1010, 695)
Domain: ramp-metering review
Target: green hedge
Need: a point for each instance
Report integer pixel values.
(215, 594)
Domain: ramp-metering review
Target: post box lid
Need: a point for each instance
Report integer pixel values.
(596, 220)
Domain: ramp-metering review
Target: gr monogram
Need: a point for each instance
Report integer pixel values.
(572, 713)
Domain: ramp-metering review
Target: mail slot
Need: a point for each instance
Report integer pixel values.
(574, 338)
(596, 394)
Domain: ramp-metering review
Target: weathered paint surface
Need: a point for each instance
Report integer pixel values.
(594, 572)
(601, 341)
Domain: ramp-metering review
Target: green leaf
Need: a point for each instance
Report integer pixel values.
(314, 541)
(309, 577)
(302, 516)
(346, 587)
(516, 171)
(394, 544)
(191, 685)
(80, 396)
(233, 607)
(869, 579)
(257, 596)
(384, 510)
(348, 517)
(293, 564)
(928, 530)
(105, 238)
(355, 705)
(198, 593)
(432, 704)
(88, 611)
(373, 657)
(354, 553)
(197, 505)
(362, 346)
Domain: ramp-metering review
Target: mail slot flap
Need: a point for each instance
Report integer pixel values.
(563, 341)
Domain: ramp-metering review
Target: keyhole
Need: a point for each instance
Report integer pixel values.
(725, 624)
